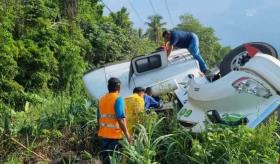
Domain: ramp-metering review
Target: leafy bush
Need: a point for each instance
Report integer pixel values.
(237, 145)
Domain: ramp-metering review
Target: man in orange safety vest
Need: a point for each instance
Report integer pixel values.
(111, 119)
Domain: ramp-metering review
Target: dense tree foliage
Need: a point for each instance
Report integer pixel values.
(46, 45)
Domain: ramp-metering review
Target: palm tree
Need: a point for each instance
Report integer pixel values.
(155, 27)
(140, 33)
(121, 18)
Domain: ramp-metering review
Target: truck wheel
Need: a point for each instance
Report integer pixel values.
(238, 57)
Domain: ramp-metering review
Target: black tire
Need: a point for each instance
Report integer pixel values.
(225, 66)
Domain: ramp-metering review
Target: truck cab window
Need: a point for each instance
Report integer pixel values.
(149, 63)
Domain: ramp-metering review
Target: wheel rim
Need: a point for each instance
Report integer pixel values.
(238, 61)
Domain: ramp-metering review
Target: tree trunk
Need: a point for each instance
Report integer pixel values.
(70, 8)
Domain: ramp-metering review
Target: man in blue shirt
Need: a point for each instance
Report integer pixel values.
(183, 39)
(150, 101)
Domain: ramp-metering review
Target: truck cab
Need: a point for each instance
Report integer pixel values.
(153, 70)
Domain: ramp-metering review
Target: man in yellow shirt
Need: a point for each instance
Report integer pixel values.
(134, 107)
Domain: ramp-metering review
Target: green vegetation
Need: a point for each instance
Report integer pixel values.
(52, 129)
(62, 130)
(218, 144)
(47, 45)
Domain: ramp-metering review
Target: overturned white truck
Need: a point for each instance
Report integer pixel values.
(245, 89)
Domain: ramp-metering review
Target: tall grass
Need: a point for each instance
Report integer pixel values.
(146, 143)
(62, 127)
(218, 144)
(57, 125)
